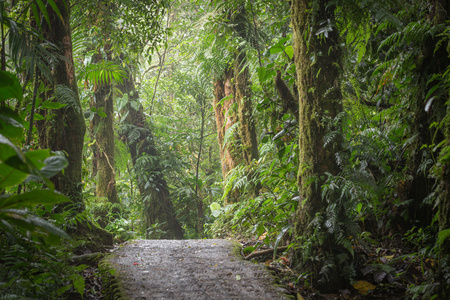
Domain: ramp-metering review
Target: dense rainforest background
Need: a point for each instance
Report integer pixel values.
(317, 128)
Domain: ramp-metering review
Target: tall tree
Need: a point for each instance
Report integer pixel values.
(317, 59)
(102, 124)
(153, 187)
(65, 131)
(236, 130)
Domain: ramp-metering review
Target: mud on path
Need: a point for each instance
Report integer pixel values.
(190, 269)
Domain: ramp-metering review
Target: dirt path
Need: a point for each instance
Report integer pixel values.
(190, 269)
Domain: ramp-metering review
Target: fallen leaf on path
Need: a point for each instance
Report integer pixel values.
(363, 286)
(238, 277)
(135, 264)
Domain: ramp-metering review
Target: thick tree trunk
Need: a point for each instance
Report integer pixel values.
(319, 98)
(152, 185)
(65, 131)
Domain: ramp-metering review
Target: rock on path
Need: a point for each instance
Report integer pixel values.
(190, 269)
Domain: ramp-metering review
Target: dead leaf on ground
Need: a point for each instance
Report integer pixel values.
(363, 287)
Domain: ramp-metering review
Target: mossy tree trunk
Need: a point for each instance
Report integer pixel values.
(247, 129)
(319, 98)
(102, 128)
(151, 183)
(233, 108)
(225, 114)
(65, 130)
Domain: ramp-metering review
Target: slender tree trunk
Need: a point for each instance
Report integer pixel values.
(200, 214)
(103, 130)
(319, 97)
(150, 180)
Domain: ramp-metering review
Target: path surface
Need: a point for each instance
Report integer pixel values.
(190, 269)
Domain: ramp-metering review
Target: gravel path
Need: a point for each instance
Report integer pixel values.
(190, 269)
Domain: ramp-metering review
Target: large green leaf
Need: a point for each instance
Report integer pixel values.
(22, 219)
(10, 176)
(9, 87)
(52, 166)
(10, 123)
(7, 149)
(32, 198)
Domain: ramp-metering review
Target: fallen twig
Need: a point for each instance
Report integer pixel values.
(265, 252)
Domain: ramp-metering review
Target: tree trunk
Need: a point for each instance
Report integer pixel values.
(232, 104)
(152, 185)
(225, 118)
(247, 129)
(65, 131)
(198, 199)
(103, 130)
(319, 97)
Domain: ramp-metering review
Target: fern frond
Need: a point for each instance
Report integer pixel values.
(104, 72)
(66, 95)
(229, 134)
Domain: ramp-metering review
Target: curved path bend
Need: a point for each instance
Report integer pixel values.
(190, 269)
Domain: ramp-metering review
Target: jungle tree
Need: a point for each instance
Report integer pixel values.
(65, 130)
(236, 131)
(317, 56)
(159, 210)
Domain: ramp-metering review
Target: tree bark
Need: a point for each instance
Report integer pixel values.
(151, 183)
(319, 98)
(65, 131)
(200, 213)
(247, 129)
(225, 118)
(103, 130)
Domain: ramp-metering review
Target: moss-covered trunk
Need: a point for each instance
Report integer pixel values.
(317, 59)
(247, 129)
(102, 127)
(225, 114)
(152, 185)
(65, 130)
(236, 131)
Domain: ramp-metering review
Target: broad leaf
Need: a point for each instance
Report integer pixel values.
(32, 198)
(9, 87)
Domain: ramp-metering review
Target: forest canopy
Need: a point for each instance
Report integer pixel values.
(319, 130)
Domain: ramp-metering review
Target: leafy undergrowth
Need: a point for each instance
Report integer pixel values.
(385, 269)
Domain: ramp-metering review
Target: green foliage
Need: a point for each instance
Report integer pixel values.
(103, 72)
(33, 268)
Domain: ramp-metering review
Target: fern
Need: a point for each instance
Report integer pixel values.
(66, 95)
(104, 72)
(230, 134)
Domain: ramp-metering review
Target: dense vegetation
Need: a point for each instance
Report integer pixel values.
(318, 125)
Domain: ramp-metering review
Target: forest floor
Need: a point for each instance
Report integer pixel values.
(190, 269)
